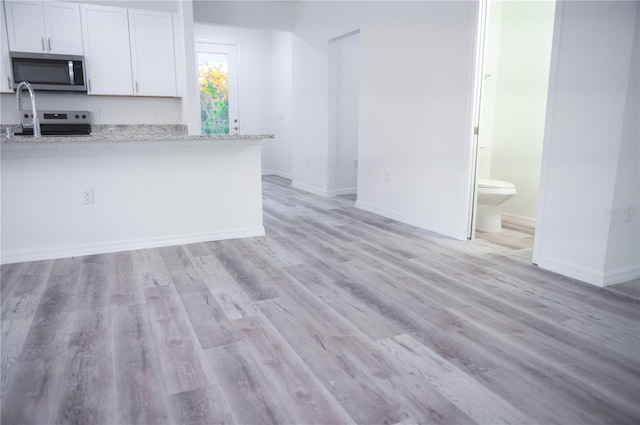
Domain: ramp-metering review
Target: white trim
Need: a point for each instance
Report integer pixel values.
(312, 189)
(477, 84)
(117, 246)
(600, 278)
(622, 274)
(574, 271)
(404, 219)
(347, 191)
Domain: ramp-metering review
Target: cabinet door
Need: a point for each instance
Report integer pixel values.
(6, 75)
(25, 26)
(152, 53)
(106, 42)
(62, 28)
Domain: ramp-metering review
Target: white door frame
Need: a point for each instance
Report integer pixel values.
(477, 101)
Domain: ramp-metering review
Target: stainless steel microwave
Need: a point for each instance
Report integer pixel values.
(48, 72)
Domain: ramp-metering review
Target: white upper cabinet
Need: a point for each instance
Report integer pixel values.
(44, 27)
(63, 28)
(6, 74)
(152, 53)
(107, 57)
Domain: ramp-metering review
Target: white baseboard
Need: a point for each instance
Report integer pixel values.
(621, 274)
(277, 173)
(404, 219)
(323, 192)
(600, 278)
(312, 189)
(107, 247)
(347, 191)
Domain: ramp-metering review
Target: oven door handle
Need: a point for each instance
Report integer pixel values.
(71, 74)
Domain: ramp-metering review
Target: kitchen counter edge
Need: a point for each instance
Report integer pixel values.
(99, 137)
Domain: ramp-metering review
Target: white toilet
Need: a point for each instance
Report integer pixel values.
(492, 194)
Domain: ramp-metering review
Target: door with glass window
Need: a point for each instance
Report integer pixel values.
(218, 85)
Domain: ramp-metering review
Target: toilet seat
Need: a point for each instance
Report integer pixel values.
(495, 184)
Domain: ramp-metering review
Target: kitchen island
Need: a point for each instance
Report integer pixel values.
(126, 187)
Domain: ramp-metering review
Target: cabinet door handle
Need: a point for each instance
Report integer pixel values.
(137, 89)
(9, 82)
(42, 39)
(49, 41)
(89, 84)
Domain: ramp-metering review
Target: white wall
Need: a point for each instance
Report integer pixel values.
(417, 61)
(415, 129)
(315, 24)
(186, 60)
(146, 194)
(521, 100)
(104, 109)
(623, 245)
(281, 147)
(272, 15)
(592, 123)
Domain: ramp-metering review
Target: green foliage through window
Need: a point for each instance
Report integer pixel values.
(214, 98)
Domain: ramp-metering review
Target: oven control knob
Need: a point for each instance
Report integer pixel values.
(84, 116)
(77, 116)
(26, 115)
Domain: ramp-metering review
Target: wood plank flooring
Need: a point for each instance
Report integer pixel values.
(337, 316)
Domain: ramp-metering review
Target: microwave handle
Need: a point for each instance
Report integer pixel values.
(71, 75)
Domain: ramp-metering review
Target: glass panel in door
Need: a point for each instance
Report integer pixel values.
(217, 77)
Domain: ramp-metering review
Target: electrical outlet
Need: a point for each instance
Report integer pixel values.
(154, 112)
(87, 196)
(355, 163)
(99, 113)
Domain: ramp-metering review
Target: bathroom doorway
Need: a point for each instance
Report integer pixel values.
(344, 74)
(512, 104)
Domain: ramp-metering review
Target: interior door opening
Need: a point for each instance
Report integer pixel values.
(344, 74)
(510, 120)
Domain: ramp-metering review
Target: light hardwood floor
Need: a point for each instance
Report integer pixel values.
(336, 316)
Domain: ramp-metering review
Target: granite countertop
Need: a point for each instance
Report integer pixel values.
(131, 133)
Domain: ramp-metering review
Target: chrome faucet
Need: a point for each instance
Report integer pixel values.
(34, 112)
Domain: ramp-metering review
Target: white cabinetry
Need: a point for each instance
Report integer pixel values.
(128, 52)
(5, 60)
(152, 53)
(44, 27)
(107, 57)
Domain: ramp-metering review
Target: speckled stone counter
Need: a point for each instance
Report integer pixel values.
(132, 133)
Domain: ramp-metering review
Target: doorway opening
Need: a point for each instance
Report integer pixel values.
(217, 66)
(344, 74)
(510, 120)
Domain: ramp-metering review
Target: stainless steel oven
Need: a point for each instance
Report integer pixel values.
(47, 72)
(58, 123)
